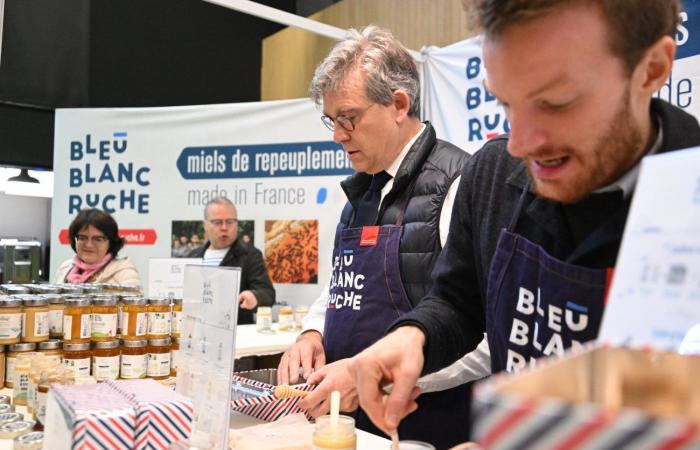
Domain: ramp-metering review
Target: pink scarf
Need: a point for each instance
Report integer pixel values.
(82, 271)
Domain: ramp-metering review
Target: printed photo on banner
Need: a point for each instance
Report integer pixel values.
(187, 235)
(291, 251)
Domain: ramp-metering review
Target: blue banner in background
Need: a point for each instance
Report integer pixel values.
(264, 161)
(688, 33)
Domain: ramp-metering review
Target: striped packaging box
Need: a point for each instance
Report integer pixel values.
(604, 398)
(163, 416)
(88, 417)
(266, 406)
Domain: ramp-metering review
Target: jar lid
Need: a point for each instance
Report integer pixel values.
(5, 408)
(134, 342)
(77, 301)
(5, 399)
(35, 300)
(91, 288)
(286, 309)
(134, 300)
(10, 302)
(51, 344)
(75, 347)
(23, 347)
(14, 429)
(30, 441)
(71, 289)
(13, 289)
(104, 300)
(130, 288)
(107, 344)
(159, 342)
(158, 301)
(47, 289)
(177, 301)
(54, 299)
(10, 417)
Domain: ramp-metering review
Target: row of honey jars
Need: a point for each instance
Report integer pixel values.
(24, 319)
(133, 359)
(52, 350)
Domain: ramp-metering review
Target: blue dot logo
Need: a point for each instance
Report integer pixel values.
(321, 196)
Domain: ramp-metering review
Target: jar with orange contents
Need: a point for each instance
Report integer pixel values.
(134, 317)
(159, 318)
(35, 323)
(10, 319)
(106, 360)
(76, 320)
(158, 358)
(78, 358)
(104, 319)
(177, 317)
(134, 359)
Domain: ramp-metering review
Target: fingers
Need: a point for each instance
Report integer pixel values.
(368, 387)
(398, 403)
(293, 366)
(313, 403)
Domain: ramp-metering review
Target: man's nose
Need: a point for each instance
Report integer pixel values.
(526, 136)
(340, 134)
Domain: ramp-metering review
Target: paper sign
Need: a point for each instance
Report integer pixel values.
(166, 276)
(207, 342)
(655, 296)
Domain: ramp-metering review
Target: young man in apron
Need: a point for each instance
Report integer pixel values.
(388, 237)
(539, 214)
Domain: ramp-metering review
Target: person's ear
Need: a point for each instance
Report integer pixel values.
(402, 104)
(655, 66)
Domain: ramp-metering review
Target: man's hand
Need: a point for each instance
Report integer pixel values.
(333, 377)
(397, 358)
(247, 300)
(307, 352)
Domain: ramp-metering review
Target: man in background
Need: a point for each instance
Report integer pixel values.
(225, 249)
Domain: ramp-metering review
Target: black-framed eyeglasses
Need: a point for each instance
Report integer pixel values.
(94, 239)
(346, 122)
(219, 222)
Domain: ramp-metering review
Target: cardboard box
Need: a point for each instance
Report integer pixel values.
(600, 398)
(252, 395)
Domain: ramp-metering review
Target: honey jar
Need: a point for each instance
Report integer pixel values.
(174, 354)
(134, 317)
(35, 323)
(52, 350)
(76, 320)
(285, 317)
(134, 359)
(104, 318)
(13, 351)
(77, 357)
(158, 358)
(105, 360)
(159, 319)
(177, 317)
(263, 320)
(56, 307)
(10, 320)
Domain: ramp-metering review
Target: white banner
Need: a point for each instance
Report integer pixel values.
(466, 114)
(154, 169)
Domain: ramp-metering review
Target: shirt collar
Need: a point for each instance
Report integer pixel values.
(394, 167)
(628, 181)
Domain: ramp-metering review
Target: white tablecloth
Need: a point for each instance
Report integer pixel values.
(251, 343)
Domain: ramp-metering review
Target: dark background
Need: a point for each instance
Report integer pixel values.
(122, 53)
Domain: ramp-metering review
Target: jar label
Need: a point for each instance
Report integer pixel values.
(105, 367)
(10, 325)
(141, 321)
(80, 367)
(134, 366)
(85, 326)
(41, 324)
(158, 364)
(177, 321)
(10, 369)
(286, 322)
(67, 327)
(20, 387)
(159, 322)
(174, 354)
(263, 323)
(56, 321)
(104, 325)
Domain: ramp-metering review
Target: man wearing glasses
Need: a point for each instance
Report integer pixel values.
(225, 249)
(390, 232)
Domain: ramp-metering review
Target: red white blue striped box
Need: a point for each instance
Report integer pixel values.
(595, 399)
(163, 416)
(89, 417)
(263, 406)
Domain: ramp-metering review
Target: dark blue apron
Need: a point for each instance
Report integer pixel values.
(538, 305)
(366, 296)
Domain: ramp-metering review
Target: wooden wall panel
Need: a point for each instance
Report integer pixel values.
(291, 55)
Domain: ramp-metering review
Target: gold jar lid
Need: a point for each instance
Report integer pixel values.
(107, 344)
(159, 342)
(70, 347)
(134, 300)
(34, 301)
(104, 300)
(134, 343)
(22, 347)
(51, 344)
(158, 301)
(77, 302)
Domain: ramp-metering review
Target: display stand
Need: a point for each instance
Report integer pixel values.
(207, 342)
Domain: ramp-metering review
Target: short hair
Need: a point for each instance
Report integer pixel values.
(633, 25)
(100, 220)
(217, 201)
(381, 57)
